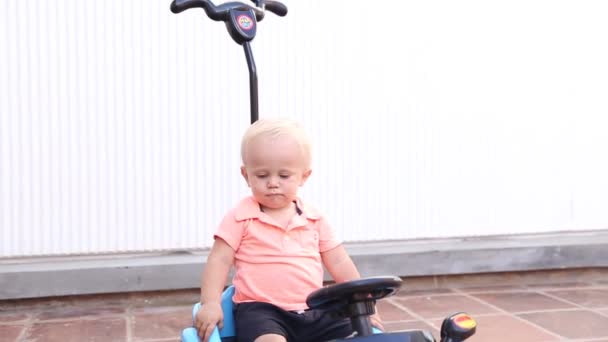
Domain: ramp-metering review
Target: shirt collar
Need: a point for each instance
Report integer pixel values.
(249, 208)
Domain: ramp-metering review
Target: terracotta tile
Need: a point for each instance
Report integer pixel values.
(571, 324)
(165, 298)
(564, 276)
(9, 333)
(101, 329)
(107, 300)
(591, 298)
(497, 288)
(28, 305)
(10, 317)
(521, 301)
(389, 312)
(502, 327)
(463, 281)
(442, 306)
(603, 281)
(165, 323)
(78, 312)
(418, 283)
(418, 293)
(572, 284)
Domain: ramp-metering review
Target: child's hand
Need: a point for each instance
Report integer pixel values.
(376, 321)
(207, 317)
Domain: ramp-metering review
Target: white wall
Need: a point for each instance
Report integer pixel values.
(120, 121)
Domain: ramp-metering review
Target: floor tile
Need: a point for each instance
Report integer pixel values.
(419, 293)
(444, 305)
(573, 284)
(497, 288)
(571, 324)
(521, 301)
(591, 298)
(603, 281)
(28, 305)
(160, 323)
(102, 330)
(489, 279)
(11, 317)
(9, 333)
(109, 300)
(31, 304)
(77, 312)
(389, 312)
(165, 298)
(506, 328)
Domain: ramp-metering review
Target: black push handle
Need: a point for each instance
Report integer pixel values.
(276, 7)
(273, 6)
(217, 13)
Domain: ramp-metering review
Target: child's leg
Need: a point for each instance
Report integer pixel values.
(271, 338)
(260, 322)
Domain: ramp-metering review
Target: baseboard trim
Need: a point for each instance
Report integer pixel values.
(60, 276)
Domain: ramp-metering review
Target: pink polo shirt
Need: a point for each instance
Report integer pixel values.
(273, 264)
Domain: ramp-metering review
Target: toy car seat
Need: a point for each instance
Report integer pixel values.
(227, 333)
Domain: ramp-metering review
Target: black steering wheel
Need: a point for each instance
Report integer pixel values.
(372, 288)
(355, 299)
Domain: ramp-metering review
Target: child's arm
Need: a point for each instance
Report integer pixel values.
(339, 264)
(342, 268)
(213, 280)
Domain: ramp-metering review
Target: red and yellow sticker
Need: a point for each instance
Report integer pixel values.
(464, 321)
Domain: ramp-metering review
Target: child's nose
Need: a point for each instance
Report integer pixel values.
(273, 182)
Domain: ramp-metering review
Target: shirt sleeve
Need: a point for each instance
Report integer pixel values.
(327, 237)
(230, 230)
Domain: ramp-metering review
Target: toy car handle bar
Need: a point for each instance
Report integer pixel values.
(273, 6)
(221, 12)
(241, 21)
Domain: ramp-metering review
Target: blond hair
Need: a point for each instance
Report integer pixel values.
(277, 127)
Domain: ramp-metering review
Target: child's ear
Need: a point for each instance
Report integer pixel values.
(305, 176)
(244, 174)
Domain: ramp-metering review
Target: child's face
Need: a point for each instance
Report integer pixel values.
(274, 170)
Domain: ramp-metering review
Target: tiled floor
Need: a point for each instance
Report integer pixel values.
(507, 307)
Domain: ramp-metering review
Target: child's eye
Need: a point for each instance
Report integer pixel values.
(284, 176)
(262, 176)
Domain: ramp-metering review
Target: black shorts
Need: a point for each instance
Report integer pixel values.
(256, 319)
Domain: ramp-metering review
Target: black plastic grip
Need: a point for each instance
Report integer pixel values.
(276, 7)
(178, 6)
(217, 13)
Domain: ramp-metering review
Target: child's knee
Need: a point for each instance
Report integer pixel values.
(271, 338)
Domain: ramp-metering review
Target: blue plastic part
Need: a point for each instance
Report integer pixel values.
(190, 334)
(229, 328)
